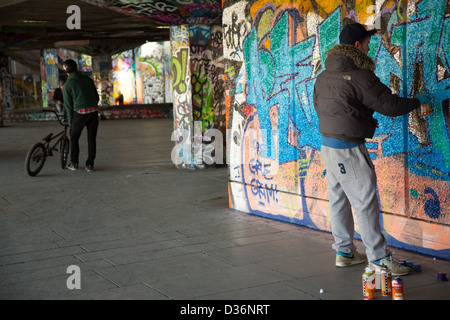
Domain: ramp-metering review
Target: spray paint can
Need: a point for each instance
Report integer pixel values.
(425, 108)
(368, 282)
(397, 289)
(386, 282)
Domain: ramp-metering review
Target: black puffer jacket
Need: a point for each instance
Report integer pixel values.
(348, 92)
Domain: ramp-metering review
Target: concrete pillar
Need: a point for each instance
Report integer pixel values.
(206, 63)
(49, 75)
(150, 84)
(182, 154)
(198, 93)
(102, 76)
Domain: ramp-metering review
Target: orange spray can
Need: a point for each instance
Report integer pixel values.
(397, 289)
(425, 108)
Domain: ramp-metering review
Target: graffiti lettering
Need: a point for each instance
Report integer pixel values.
(264, 191)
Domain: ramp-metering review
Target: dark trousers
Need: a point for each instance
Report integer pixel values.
(79, 121)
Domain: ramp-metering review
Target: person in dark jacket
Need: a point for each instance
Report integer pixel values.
(59, 99)
(80, 100)
(346, 95)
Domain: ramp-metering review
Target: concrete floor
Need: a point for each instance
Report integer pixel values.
(138, 228)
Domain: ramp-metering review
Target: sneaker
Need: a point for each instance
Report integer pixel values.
(397, 269)
(89, 168)
(348, 259)
(72, 166)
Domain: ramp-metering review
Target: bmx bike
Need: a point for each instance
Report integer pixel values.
(38, 153)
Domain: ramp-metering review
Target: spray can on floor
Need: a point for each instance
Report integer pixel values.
(386, 282)
(397, 289)
(368, 282)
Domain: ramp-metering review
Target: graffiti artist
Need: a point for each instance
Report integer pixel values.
(346, 95)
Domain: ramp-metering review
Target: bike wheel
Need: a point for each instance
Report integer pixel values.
(35, 159)
(64, 148)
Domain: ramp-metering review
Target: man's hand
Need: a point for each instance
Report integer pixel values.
(425, 97)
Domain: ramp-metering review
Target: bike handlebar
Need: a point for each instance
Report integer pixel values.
(58, 117)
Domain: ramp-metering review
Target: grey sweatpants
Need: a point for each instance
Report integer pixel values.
(352, 182)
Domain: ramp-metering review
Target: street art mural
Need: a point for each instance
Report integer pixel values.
(49, 75)
(85, 64)
(150, 81)
(124, 77)
(273, 52)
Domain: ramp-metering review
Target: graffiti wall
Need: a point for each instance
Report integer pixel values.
(124, 77)
(20, 87)
(150, 69)
(273, 52)
(49, 75)
(103, 79)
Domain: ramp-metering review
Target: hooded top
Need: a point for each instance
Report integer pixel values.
(348, 92)
(79, 93)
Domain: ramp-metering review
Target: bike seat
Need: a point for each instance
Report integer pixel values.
(48, 137)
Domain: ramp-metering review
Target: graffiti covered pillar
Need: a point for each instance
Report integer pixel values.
(198, 96)
(218, 83)
(273, 52)
(199, 62)
(49, 74)
(102, 75)
(182, 153)
(150, 82)
(202, 77)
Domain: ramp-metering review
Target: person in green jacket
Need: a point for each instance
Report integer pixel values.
(81, 103)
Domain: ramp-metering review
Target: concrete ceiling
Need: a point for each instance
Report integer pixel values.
(107, 26)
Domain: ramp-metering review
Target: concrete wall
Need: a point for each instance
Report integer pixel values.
(273, 52)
